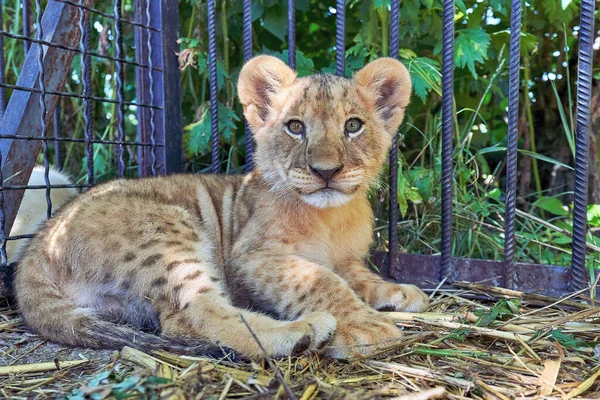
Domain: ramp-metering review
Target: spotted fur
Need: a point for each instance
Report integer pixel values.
(187, 255)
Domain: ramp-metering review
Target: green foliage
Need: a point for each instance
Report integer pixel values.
(546, 114)
(471, 47)
(503, 308)
(565, 339)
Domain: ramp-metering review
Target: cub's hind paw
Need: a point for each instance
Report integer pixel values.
(323, 326)
(394, 297)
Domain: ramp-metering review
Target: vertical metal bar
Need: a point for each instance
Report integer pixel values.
(292, 34)
(393, 222)
(120, 76)
(43, 125)
(151, 87)
(161, 87)
(247, 33)
(511, 278)
(447, 131)
(579, 273)
(56, 132)
(3, 257)
(2, 66)
(340, 37)
(86, 72)
(26, 24)
(214, 105)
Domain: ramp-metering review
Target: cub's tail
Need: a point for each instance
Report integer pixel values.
(50, 314)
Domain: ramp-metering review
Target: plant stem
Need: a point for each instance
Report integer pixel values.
(384, 16)
(530, 127)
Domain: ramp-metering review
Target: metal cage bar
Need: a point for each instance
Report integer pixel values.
(26, 24)
(580, 275)
(247, 34)
(2, 66)
(43, 124)
(447, 142)
(393, 192)
(86, 72)
(214, 105)
(340, 37)
(161, 88)
(512, 142)
(292, 34)
(120, 77)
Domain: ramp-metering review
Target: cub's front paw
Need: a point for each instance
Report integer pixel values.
(362, 333)
(393, 297)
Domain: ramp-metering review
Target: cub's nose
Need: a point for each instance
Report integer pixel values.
(326, 174)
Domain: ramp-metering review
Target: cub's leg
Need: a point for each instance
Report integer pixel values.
(379, 294)
(191, 301)
(295, 287)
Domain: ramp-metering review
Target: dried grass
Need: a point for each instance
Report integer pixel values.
(474, 343)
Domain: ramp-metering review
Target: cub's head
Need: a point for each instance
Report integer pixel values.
(322, 138)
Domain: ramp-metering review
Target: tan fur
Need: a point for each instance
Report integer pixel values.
(188, 254)
(33, 209)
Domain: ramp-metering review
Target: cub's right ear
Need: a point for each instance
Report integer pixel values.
(261, 78)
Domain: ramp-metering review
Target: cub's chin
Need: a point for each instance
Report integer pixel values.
(326, 198)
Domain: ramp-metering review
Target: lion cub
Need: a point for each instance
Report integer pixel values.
(187, 255)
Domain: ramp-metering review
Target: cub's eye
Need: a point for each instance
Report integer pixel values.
(295, 128)
(353, 127)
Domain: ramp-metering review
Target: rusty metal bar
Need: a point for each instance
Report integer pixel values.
(511, 278)
(445, 271)
(56, 134)
(23, 109)
(393, 193)
(2, 66)
(423, 271)
(3, 256)
(161, 126)
(580, 275)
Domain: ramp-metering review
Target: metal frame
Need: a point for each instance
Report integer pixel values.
(64, 32)
(160, 139)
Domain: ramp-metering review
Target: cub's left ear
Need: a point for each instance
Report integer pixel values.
(262, 78)
(389, 82)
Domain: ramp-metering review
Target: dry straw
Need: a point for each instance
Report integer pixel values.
(475, 342)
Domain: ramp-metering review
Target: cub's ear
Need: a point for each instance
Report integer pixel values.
(389, 82)
(261, 78)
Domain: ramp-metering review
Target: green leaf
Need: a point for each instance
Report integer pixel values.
(565, 3)
(544, 158)
(470, 47)
(552, 205)
(501, 309)
(425, 76)
(593, 215)
(275, 21)
(568, 340)
(198, 134)
(257, 10)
